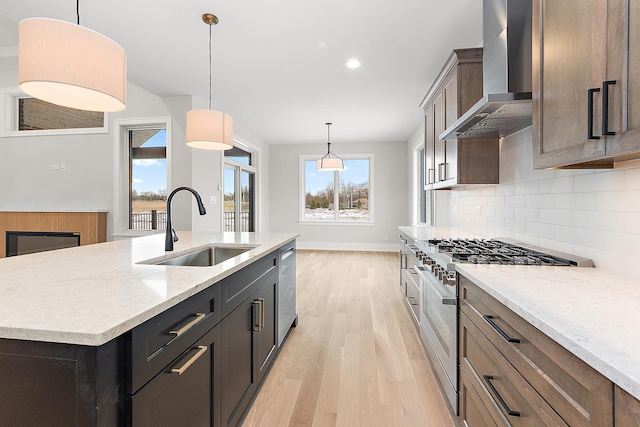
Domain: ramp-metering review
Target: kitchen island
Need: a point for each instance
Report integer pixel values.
(85, 330)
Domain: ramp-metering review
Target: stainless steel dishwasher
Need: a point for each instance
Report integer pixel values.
(287, 315)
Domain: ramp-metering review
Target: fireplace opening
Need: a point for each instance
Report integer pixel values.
(28, 242)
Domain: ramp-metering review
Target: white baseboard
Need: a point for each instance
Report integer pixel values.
(348, 246)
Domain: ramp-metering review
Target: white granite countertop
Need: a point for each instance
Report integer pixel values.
(91, 294)
(593, 314)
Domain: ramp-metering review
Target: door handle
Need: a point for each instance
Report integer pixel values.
(261, 301)
(590, 93)
(605, 107)
(256, 315)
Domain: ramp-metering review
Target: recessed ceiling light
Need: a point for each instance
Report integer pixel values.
(353, 63)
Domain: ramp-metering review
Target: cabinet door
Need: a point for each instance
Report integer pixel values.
(623, 59)
(627, 409)
(473, 413)
(450, 116)
(183, 393)
(267, 333)
(238, 375)
(429, 146)
(438, 126)
(569, 58)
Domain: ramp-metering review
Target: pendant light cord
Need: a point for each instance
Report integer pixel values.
(78, 11)
(328, 138)
(210, 66)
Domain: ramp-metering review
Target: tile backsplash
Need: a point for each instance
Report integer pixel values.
(590, 213)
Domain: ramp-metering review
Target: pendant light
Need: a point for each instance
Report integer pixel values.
(72, 66)
(329, 162)
(208, 129)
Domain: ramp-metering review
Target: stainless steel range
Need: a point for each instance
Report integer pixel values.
(439, 292)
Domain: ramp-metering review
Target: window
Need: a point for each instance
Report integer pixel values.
(143, 161)
(147, 179)
(239, 190)
(350, 190)
(26, 116)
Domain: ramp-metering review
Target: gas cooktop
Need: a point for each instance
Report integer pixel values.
(503, 251)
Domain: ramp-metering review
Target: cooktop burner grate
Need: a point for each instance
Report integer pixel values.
(481, 251)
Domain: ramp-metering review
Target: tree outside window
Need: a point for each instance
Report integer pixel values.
(348, 190)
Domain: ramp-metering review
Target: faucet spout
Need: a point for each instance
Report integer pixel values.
(171, 235)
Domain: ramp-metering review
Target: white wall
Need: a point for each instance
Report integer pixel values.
(27, 181)
(590, 213)
(390, 197)
(413, 186)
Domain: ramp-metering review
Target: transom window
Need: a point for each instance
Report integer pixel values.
(337, 196)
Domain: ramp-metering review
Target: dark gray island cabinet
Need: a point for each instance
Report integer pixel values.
(199, 363)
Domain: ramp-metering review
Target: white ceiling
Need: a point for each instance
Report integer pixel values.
(278, 65)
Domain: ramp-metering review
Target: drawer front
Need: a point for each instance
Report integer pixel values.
(158, 341)
(627, 409)
(507, 396)
(413, 297)
(473, 413)
(581, 395)
(241, 284)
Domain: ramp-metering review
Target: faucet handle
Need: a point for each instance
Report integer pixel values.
(175, 236)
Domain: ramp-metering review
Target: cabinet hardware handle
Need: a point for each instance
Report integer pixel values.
(403, 260)
(256, 315)
(442, 171)
(511, 412)
(177, 332)
(590, 113)
(605, 107)
(502, 333)
(201, 350)
(261, 301)
(431, 176)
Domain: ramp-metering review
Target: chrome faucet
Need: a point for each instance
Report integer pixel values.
(171, 235)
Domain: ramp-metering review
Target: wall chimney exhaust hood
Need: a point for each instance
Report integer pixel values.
(505, 107)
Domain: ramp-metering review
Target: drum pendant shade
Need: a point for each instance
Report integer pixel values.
(71, 66)
(209, 130)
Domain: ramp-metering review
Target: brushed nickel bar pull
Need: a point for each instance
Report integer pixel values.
(261, 301)
(605, 107)
(201, 350)
(256, 316)
(179, 331)
(590, 134)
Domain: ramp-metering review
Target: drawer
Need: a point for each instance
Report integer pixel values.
(580, 394)
(241, 284)
(157, 342)
(507, 396)
(473, 413)
(413, 298)
(627, 409)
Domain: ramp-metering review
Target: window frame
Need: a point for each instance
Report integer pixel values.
(9, 120)
(121, 212)
(238, 168)
(336, 183)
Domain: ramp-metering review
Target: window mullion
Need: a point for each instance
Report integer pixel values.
(336, 195)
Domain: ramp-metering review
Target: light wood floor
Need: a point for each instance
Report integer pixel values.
(355, 358)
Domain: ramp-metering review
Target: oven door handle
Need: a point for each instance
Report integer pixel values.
(445, 298)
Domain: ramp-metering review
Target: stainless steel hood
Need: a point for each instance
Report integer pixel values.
(505, 107)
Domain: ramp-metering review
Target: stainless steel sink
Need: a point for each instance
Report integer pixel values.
(205, 257)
